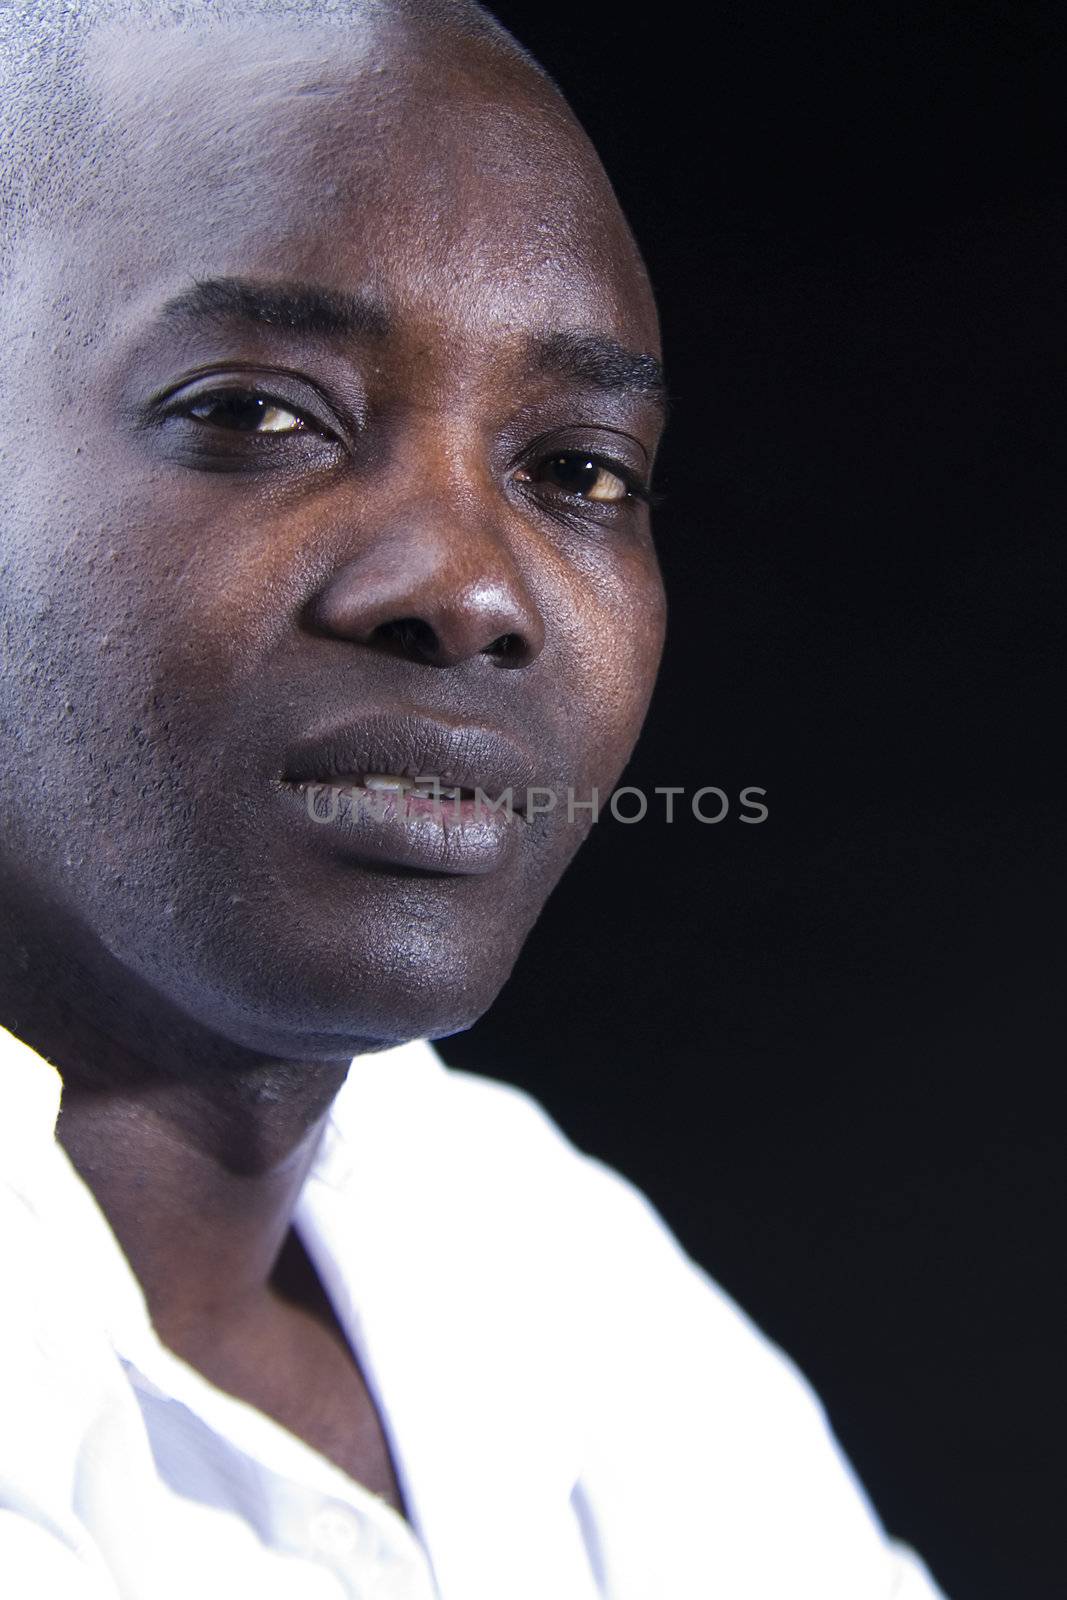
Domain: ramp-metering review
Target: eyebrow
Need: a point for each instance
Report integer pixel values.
(294, 307)
(599, 362)
(300, 308)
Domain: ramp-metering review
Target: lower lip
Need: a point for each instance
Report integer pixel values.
(455, 838)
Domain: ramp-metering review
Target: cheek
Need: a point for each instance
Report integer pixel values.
(193, 588)
(618, 629)
(127, 625)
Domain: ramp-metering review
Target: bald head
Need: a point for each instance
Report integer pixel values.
(60, 61)
(149, 137)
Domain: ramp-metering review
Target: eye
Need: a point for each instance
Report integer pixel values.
(578, 473)
(244, 413)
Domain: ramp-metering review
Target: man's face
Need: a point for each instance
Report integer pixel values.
(383, 481)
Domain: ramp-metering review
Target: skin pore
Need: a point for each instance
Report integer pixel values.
(344, 378)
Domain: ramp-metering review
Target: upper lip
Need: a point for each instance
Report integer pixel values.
(407, 745)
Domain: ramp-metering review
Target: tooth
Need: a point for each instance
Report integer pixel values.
(436, 791)
(386, 781)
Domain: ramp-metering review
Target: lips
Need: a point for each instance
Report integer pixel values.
(416, 755)
(411, 793)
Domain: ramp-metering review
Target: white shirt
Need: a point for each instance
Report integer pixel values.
(576, 1412)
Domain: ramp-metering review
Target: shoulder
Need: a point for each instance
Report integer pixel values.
(562, 1227)
(706, 1461)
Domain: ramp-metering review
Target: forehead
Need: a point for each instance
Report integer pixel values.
(441, 177)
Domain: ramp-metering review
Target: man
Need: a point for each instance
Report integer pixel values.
(330, 400)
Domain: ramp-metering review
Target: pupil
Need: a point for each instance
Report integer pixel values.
(575, 473)
(242, 411)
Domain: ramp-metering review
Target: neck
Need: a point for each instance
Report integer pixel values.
(201, 1232)
(195, 1148)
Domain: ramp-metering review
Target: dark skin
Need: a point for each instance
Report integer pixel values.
(189, 592)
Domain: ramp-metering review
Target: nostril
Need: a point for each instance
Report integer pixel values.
(411, 636)
(508, 647)
(415, 639)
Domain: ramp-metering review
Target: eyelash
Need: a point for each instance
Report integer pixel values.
(636, 488)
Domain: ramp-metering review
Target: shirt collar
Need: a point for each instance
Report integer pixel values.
(407, 1214)
(32, 1090)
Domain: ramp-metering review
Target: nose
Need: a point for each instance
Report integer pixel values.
(435, 588)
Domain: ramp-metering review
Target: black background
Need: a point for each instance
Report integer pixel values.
(828, 1046)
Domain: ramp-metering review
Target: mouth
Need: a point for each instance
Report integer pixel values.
(408, 794)
(411, 759)
(413, 791)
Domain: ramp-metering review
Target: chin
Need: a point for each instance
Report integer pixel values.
(334, 1021)
(319, 990)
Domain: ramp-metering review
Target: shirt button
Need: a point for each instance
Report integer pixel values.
(338, 1531)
